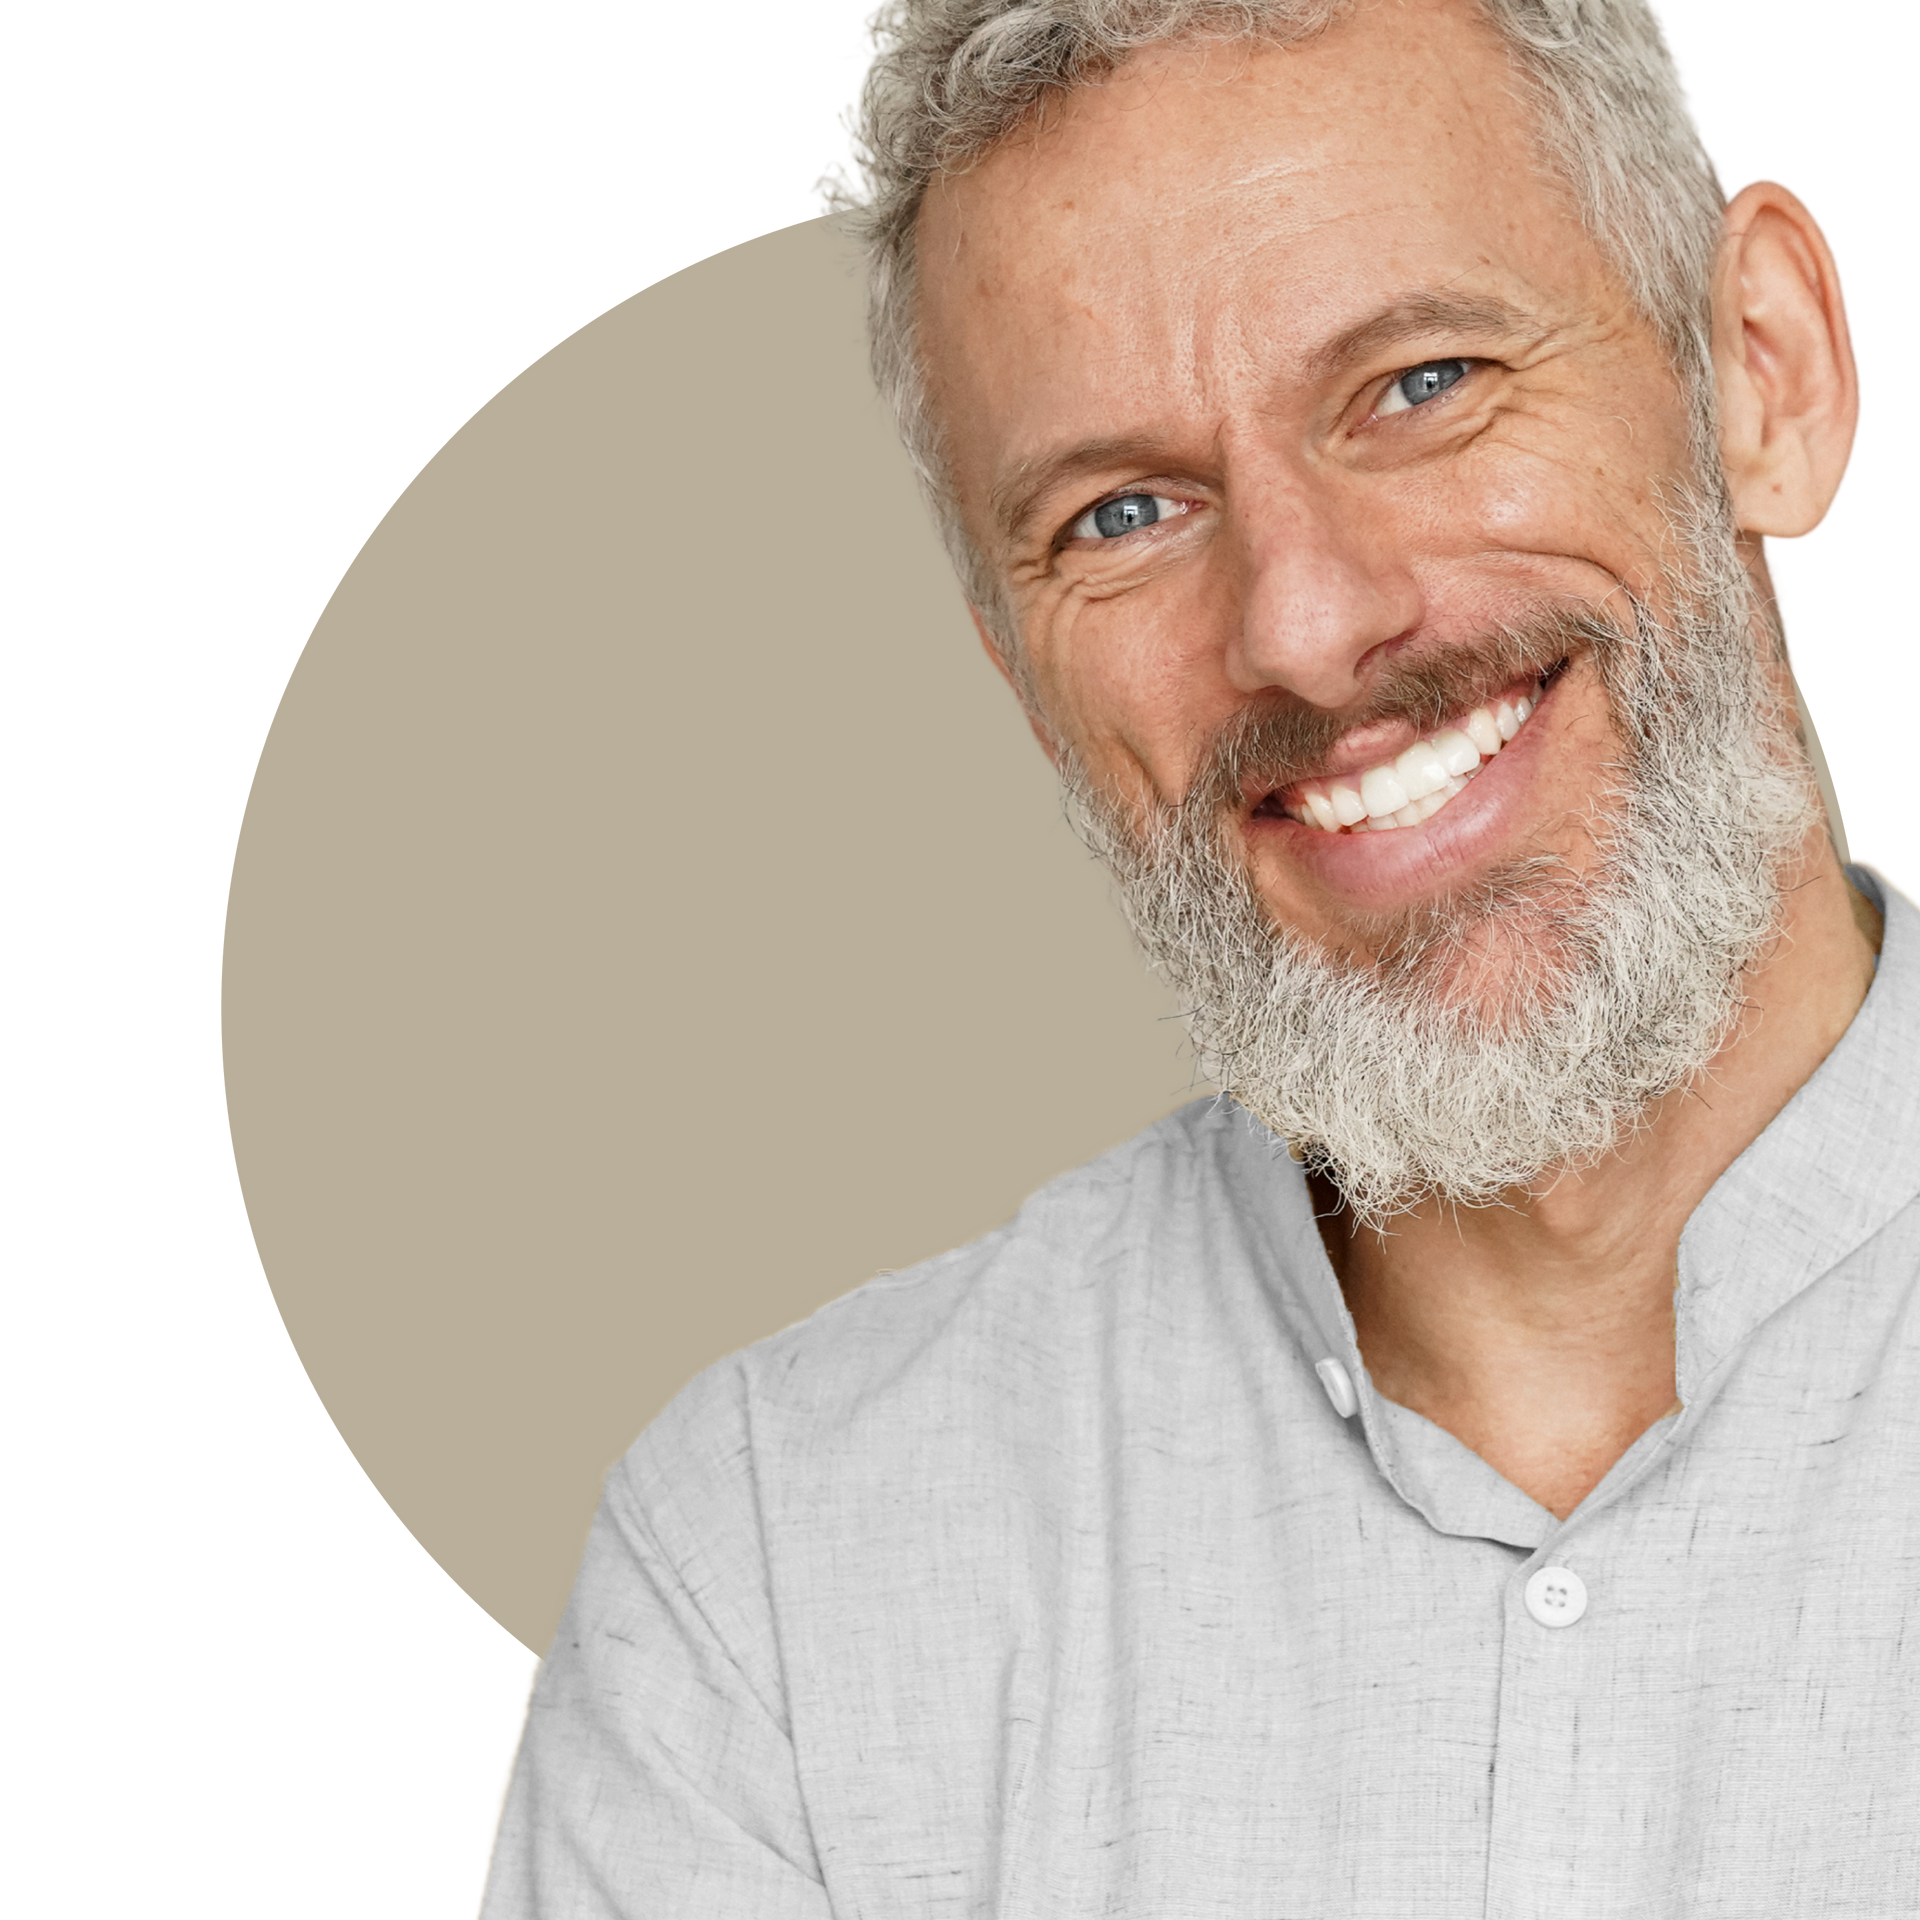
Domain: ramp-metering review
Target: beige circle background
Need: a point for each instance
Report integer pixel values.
(651, 918)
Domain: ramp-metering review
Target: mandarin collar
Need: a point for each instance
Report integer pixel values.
(1832, 1168)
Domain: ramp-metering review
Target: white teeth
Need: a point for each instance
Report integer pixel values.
(1457, 752)
(1422, 771)
(1348, 808)
(1483, 732)
(1380, 788)
(1413, 787)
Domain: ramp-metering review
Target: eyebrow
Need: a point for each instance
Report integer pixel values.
(1471, 316)
(1016, 497)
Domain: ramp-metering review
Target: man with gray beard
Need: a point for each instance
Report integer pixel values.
(1403, 1085)
(1472, 1470)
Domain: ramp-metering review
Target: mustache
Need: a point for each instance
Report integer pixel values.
(1276, 741)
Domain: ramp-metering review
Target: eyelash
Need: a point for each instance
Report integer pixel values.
(1392, 386)
(1180, 508)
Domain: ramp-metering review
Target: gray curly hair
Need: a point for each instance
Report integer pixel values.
(954, 78)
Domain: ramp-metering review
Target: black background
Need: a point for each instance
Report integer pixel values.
(342, 262)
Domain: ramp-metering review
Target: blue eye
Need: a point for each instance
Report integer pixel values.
(1420, 384)
(1115, 517)
(1127, 514)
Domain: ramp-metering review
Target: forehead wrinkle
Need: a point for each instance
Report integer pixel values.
(1214, 345)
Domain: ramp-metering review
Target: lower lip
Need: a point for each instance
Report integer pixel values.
(1394, 867)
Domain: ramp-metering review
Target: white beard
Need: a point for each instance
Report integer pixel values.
(1526, 1026)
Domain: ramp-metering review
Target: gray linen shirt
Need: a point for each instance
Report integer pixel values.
(1046, 1580)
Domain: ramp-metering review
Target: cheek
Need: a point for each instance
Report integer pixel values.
(1132, 683)
(1564, 522)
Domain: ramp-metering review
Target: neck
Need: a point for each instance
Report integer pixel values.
(1541, 1334)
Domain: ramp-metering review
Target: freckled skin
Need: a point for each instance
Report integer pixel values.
(1168, 280)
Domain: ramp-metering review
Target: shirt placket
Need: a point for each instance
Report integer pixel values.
(1568, 1810)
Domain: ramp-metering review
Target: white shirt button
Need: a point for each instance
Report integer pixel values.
(1339, 1385)
(1556, 1596)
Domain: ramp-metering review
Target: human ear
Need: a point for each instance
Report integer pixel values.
(1783, 364)
(1041, 732)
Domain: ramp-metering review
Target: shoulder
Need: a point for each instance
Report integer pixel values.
(958, 1341)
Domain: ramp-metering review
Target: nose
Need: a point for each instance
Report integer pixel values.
(1325, 586)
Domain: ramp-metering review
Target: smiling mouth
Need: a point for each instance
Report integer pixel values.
(1409, 789)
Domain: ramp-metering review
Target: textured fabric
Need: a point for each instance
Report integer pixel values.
(1044, 1580)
